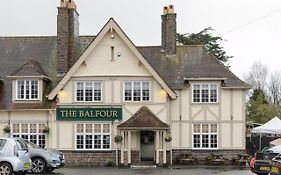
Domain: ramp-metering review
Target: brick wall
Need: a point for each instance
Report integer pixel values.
(89, 158)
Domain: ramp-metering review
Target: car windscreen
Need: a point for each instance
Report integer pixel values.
(2, 143)
(33, 145)
(22, 144)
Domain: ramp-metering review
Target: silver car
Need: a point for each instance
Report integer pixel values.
(14, 156)
(44, 160)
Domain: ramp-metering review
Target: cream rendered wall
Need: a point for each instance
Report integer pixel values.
(99, 62)
(226, 104)
(228, 113)
(112, 73)
(65, 136)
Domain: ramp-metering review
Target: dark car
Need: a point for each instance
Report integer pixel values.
(262, 163)
(276, 165)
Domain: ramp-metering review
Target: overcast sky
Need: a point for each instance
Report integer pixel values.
(251, 28)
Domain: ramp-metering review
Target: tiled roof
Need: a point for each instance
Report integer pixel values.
(189, 62)
(30, 68)
(16, 51)
(143, 119)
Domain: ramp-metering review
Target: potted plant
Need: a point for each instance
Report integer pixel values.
(46, 129)
(168, 137)
(118, 139)
(7, 129)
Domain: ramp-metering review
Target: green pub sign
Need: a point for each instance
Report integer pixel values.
(89, 114)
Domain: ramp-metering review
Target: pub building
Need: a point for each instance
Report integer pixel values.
(157, 102)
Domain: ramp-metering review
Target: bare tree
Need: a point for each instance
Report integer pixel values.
(274, 87)
(257, 76)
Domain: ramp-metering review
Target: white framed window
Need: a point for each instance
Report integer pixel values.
(205, 136)
(136, 91)
(204, 93)
(32, 132)
(93, 136)
(27, 90)
(88, 91)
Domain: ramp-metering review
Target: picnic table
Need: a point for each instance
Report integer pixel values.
(242, 159)
(187, 159)
(216, 159)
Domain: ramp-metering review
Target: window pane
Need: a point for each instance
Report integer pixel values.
(196, 128)
(106, 128)
(33, 128)
(41, 127)
(205, 93)
(213, 93)
(196, 141)
(16, 128)
(89, 141)
(106, 142)
(145, 91)
(128, 91)
(42, 140)
(34, 89)
(89, 128)
(214, 141)
(80, 128)
(196, 93)
(97, 141)
(33, 138)
(88, 91)
(27, 90)
(97, 91)
(24, 128)
(205, 128)
(205, 141)
(97, 128)
(214, 128)
(20, 91)
(137, 91)
(80, 91)
(79, 141)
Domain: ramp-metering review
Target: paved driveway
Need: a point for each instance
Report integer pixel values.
(155, 171)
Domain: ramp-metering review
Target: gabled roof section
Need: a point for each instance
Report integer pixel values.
(109, 26)
(190, 63)
(143, 119)
(29, 69)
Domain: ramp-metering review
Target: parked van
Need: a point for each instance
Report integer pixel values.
(14, 156)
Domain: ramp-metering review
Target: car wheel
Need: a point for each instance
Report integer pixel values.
(38, 165)
(6, 169)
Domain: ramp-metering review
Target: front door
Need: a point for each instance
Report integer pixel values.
(147, 145)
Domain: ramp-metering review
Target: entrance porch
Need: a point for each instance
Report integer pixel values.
(143, 139)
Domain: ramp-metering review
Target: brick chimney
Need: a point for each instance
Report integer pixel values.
(67, 35)
(169, 30)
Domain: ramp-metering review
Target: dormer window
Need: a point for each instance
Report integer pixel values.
(27, 90)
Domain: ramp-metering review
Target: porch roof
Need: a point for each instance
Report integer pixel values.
(143, 119)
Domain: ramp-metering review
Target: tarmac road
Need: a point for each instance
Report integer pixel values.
(154, 171)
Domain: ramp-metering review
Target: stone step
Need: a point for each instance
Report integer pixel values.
(139, 166)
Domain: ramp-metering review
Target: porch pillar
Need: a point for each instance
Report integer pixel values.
(157, 146)
(122, 147)
(129, 147)
(164, 147)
